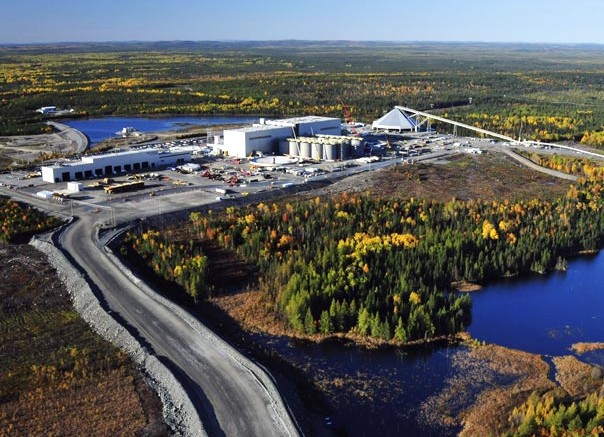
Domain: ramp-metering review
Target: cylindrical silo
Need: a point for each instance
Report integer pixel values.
(344, 150)
(356, 145)
(283, 147)
(317, 150)
(305, 149)
(294, 148)
(330, 151)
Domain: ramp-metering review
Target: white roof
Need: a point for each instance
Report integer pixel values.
(396, 120)
(303, 119)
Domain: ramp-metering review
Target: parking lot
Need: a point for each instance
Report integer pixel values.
(222, 179)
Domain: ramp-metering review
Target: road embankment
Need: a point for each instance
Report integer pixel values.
(531, 164)
(77, 138)
(262, 380)
(179, 413)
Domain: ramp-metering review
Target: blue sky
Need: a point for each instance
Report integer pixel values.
(554, 21)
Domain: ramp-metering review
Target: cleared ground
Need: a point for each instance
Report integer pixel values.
(58, 377)
(490, 176)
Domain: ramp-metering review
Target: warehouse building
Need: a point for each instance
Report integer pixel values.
(113, 163)
(396, 120)
(265, 136)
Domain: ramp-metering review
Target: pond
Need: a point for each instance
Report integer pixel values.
(99, 129)
(385, 392)
(544, 314)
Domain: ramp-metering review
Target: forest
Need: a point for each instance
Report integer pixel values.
(545, 415)
(540, 92)
(567, 164)
(20, 222)
(384, 267)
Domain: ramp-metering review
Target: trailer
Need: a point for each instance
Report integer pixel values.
(122, 188)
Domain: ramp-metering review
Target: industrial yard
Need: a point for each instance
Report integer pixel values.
(225, 177)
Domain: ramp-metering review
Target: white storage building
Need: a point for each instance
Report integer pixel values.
(257, 138)
(113, 163)
(395, 120)
(265, 136)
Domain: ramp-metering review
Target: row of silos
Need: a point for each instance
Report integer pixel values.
(323, 148)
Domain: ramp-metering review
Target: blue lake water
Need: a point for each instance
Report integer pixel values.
(380, 392)
(98, 129)
(544, 314)
(373, 392)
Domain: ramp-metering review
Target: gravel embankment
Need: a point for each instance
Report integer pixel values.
(530, 164)
(281, 416)
(179, 413)
(77, 138)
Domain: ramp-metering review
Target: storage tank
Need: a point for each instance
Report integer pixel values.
(317, 150)
(294, 148)
(283, 147)
(330, 151)
(305, 149)
(344, 150)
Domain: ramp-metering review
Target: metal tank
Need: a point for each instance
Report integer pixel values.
(283, 147)
(294, 148)
(357, 148)
(344, 150)
(330, 151)
(305, 149)
(317, 150)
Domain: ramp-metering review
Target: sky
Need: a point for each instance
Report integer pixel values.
(533, 21)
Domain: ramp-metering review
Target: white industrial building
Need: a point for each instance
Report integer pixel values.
(395, 120)
(47, 109)
(265, 136)
(113, 163)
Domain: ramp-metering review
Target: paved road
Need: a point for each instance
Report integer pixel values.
(231, 395)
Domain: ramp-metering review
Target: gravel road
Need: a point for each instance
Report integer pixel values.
(230, 394)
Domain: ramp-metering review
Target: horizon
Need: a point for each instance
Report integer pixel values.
(473, 21)
(301, 41)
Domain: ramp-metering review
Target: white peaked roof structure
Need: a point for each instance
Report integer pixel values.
(394, 120)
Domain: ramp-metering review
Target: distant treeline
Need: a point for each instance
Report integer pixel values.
(513, 89)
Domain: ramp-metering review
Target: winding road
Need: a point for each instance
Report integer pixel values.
(225, 388)
(232, 395)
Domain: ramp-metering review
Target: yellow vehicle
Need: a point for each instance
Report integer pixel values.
(121, 188)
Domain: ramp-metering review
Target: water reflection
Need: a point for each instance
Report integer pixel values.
(98, 129)
(392, 391)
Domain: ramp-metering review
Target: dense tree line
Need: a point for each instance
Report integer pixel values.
(384, 267)
(180, 262)
(567, 164)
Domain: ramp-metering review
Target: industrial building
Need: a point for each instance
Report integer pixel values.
(113, 163)
(266, 135)
(47, 109)
(395, 120)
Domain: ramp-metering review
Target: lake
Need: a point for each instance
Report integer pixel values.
(99, 129)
